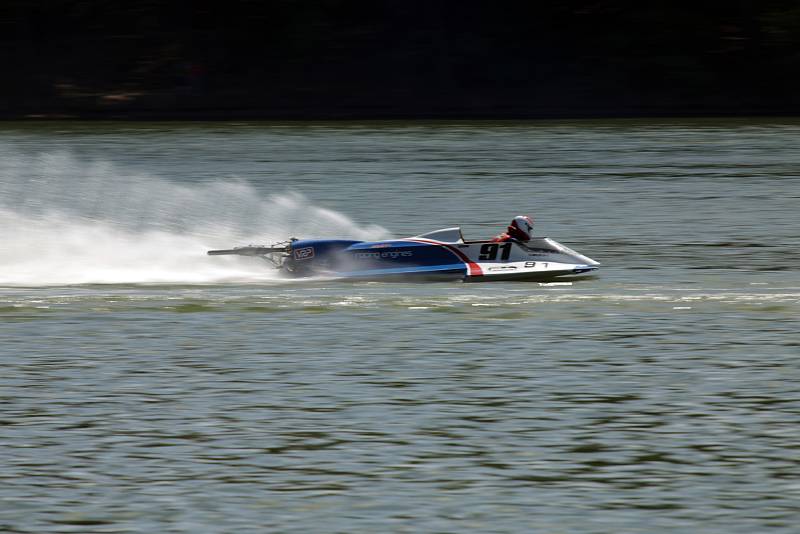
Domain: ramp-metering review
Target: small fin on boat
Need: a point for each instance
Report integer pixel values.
(246, 251)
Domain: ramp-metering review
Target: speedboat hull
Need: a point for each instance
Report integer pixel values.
(439, 255)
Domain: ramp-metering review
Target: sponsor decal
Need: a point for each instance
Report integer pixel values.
(503, 268)
(381, 245)
(305, 253)
(393, 254)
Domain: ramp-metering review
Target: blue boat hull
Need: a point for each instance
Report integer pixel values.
(440, 255)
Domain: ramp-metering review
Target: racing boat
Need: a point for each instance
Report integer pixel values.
(439, 255)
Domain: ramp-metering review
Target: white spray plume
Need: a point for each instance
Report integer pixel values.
(63, 221)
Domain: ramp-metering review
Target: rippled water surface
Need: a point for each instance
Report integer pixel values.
(148, 387)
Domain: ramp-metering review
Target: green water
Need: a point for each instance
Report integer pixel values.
(150, 388)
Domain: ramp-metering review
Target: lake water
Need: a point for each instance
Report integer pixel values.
(147, 387)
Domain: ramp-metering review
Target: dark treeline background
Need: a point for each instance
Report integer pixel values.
(399, 59)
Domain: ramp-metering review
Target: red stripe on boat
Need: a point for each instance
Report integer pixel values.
(473, 269)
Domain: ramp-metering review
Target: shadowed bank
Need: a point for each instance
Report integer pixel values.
(398, 59)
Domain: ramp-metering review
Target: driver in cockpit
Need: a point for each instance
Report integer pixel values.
(520, 229)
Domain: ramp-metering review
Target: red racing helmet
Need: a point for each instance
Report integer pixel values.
(521, 228)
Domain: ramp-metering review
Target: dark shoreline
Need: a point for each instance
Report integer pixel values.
(399, 60)
(345, 115)
(358, 118)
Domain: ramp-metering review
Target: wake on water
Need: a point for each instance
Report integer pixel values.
(63, 221)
